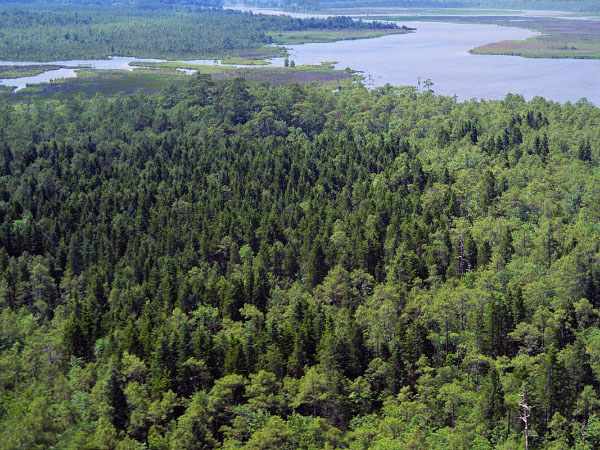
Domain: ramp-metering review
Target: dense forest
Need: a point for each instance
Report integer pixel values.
(235, 265)
(40, 32)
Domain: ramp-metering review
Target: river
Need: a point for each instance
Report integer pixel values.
(438, 51)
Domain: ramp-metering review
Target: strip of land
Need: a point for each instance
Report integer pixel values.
(7, 72)
(157, 76)
(560, 38)
(280, 76)
(108, 83)
(305, 37)
(576, 37)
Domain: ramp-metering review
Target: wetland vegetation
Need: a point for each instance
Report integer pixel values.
(301, 37)
(26, 71)
(559, 38)
(561, 35)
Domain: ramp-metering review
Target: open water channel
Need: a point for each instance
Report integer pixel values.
(438, 51)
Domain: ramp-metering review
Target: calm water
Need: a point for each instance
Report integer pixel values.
(438, 51)
(113, 63)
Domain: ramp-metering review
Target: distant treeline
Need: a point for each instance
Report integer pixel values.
(562, 5)
(151, 4)
(41, 32)
(337, 23)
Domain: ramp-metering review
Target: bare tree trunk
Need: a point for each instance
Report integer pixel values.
(525, 414)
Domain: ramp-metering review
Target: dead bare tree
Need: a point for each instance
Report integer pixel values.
(463, 257)
(525, 414)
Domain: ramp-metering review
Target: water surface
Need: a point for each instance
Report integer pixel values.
(440, 51)
(112, 63)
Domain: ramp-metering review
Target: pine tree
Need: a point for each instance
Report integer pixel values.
(489, 189)
(505, 248)
(585, 150)
(74, 336)
(115, 397)
(316, 264)
(551, 389)
(490, 400)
